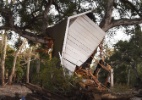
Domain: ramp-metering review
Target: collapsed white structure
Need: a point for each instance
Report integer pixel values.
(79, 37)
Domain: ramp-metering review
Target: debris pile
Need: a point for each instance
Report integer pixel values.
(89, 81)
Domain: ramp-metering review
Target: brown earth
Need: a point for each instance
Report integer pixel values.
(16, 92)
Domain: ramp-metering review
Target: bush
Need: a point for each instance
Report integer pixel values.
(120, 88)
(54, 79)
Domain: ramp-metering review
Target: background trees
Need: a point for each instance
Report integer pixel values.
(127, 59)
(30, 18)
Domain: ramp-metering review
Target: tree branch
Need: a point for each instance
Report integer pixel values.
(125, 22)
(7, 15)
(30, 36)
(107, 18)
(45, 15)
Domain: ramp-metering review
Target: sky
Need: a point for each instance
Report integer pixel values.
(119, 35)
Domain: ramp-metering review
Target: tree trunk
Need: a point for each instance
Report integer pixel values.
(138, 79)
(14, 63)
(4, 46)
(28, 65)
(38, 66)
(128, 81)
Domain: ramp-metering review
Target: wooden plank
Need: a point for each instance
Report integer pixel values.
(83, 38)
(75, 53)
(81, 30)
(72, 59)
(66, 35)
(101, 32)
(69, 65)
(82, 45)
(93, 30)
(88, 27)
(85, 51)
(77, 15)
(75, 27)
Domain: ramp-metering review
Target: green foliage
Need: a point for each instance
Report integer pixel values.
(18, 43)
(53, 78)
(9, 57)
(127, 58)
(19, 72)
(9, 63)
(120, 88)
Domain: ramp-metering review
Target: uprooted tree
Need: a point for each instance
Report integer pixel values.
(31, 18)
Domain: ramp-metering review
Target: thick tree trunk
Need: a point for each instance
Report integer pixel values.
(14, 63)
(28, 65)
(4, 46)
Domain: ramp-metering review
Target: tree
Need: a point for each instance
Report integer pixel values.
(28, 65)
(14, 61)
(4, 46)
(127, 55)
(30, 18)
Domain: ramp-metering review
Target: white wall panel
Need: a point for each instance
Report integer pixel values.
(79, 48)
(100, 32)
(82, 38)
(69, 65)
(75, 53)
(82, 28)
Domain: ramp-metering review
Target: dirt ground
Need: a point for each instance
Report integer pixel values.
(17, 92)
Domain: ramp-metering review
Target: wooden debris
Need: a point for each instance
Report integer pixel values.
(89, 80)
(44, 93)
